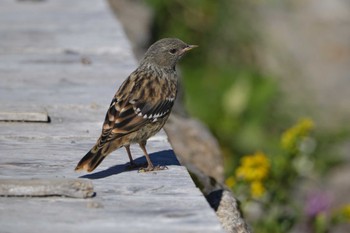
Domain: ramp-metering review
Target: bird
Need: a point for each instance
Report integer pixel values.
(141, 106)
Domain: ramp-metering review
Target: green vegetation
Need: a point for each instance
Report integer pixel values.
(269, 184)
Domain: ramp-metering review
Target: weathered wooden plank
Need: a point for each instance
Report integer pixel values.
(69, 84)
(128, 214)
(52, 157)
(58, 25)
(76, 188)
(150, 201)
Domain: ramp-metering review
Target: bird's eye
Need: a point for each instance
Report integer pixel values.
(173, 51)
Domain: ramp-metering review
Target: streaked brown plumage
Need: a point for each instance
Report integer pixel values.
(142, 104)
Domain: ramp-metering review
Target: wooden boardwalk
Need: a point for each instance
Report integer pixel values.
(63, 60)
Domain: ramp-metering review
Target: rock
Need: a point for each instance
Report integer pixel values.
(222, 200)
(194, 144)
(227, 210)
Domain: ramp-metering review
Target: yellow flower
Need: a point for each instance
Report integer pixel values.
(230, 182)
(341, 215)
(253, 167)
(292, 135)
(345, 211)
(257, 189)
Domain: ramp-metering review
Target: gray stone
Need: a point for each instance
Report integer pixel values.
(194, 144)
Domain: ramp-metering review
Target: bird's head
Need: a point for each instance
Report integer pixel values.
(166, 52)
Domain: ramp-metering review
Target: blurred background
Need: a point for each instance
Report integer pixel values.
(270, 80)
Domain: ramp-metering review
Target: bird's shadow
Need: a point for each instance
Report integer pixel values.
(163, 158)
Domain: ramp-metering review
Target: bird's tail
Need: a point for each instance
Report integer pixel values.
(91, 160)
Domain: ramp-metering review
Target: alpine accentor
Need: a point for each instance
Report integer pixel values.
(142, 104)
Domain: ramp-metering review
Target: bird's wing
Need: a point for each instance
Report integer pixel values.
(140, 100)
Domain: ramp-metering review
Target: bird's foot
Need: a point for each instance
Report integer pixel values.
(153, 168)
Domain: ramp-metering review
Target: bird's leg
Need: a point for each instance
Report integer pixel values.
(132, 163)
(150, 166)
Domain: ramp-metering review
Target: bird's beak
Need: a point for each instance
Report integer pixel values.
(189, 47)
(192, 47)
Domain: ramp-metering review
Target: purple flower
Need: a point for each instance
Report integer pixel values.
(316, 203)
